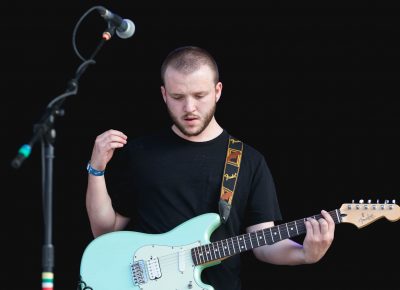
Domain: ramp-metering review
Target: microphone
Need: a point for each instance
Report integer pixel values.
(125, 28)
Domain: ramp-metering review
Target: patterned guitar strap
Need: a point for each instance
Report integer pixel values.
(230, 177)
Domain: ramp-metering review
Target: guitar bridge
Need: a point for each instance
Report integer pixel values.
(143, 271)
(139, 274)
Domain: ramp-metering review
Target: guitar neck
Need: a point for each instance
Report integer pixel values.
(225, 248)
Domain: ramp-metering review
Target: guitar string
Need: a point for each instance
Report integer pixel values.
(247, 237)
(171, 259)
(218, 246)
(166, 262)
(236, 244)
(213, 254)
(232, 243)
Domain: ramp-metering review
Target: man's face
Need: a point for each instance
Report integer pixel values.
(191, 98)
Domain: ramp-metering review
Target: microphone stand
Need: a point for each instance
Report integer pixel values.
(45, 131)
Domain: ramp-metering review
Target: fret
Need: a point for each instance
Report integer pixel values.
(292, 230)
(287, 228)
(283, 230)
(233, 246)
(303, 226)
(236, 243)
(237, 238)
(206, 259)
(244, 242)
(251, 243)
(195, 256)
(271, 235)
(208, 253)
(215, 250)
(200, 255)
(227, 245)
(297, 230)
(265, 240)
(223, 248)
(219, 250)
(279, 232)
(275, 230)
(258, 243)
(204, 252)
(240, 240)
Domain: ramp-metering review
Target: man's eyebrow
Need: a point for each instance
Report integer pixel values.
(203, 92)
(176, 94)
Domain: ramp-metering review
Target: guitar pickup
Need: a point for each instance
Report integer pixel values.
(153, 268)
(181, 260)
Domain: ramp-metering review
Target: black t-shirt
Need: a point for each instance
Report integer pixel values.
(162, 180)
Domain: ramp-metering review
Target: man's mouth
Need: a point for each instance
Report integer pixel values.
(190, 118)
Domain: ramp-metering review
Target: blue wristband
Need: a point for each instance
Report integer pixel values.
(93, 171)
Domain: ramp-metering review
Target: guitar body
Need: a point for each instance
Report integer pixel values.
(126, 260)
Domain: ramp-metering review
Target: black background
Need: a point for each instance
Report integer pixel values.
(314, 88)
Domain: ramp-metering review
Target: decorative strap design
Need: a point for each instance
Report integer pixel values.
(230, 176)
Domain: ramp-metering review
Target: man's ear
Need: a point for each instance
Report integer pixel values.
(164, 93)
(218, 91)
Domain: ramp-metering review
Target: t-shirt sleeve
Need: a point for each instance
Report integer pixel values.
(263, 203)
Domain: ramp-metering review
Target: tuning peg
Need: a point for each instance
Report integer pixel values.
(386, 201)
(393, 201)
(352, 201)
(369, 201)
(361, 201)
(377, 201)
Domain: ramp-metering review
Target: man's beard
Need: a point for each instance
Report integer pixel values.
(205, 121)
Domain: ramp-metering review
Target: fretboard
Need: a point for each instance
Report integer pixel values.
(225, 248)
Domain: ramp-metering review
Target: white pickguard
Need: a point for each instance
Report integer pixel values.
(176, 265)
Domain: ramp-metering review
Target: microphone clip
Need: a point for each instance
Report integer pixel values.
(109, 32)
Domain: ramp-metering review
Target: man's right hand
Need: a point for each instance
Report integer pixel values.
(104, 147)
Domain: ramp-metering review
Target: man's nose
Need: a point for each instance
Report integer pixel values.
(189, 105)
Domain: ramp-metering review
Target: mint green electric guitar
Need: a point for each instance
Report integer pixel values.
(127, 260)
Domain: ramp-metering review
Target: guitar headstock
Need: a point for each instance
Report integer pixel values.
(362, 214)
